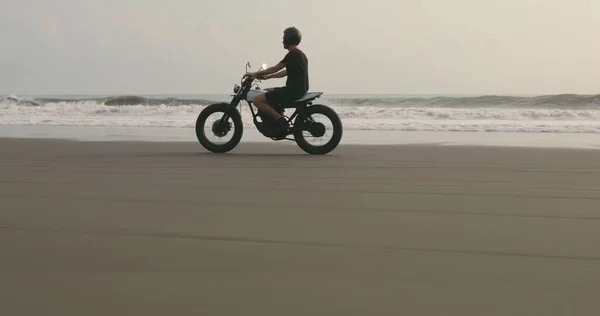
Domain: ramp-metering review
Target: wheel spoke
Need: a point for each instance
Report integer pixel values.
(217, 131)
(327, 125)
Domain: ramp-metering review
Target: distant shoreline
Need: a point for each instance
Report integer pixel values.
(357, 95)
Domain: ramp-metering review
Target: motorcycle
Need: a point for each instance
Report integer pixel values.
(301, 121)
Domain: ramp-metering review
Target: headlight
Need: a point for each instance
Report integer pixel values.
(236, 88)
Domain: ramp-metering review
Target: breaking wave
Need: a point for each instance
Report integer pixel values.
(553, 113)
(564, 101)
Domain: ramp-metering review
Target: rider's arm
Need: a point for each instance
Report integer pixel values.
(280, 74)
(270, 70)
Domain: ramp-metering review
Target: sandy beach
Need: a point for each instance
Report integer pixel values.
(153, 228)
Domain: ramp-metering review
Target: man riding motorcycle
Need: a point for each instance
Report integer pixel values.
(297, 84)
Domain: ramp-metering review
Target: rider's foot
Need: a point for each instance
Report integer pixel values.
(279, 127)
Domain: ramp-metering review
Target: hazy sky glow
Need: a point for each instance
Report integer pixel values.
(366, 46)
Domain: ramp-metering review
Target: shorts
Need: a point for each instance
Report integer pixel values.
(282, 96)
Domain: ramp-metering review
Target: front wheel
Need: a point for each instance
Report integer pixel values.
(219, 128)
(307, 128)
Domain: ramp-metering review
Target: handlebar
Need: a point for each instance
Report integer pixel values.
(257, 77)
(246, 77)
(249, 79)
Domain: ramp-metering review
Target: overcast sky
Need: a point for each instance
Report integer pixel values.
(353, 46)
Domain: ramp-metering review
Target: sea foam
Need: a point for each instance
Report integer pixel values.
(558, 113)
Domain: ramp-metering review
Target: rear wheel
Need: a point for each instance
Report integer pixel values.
(309, 128)
(219, 128)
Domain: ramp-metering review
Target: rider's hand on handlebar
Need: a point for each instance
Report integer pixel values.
(253, 75)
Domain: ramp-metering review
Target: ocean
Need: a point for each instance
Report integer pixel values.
(563, 113)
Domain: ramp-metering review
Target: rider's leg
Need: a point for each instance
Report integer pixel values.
(274, 97)
(263, 105)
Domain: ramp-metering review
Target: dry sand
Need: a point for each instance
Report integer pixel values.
(122, 228)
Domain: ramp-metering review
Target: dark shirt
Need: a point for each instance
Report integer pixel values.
(296, 65)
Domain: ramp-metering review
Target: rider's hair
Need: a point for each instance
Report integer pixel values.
(292, 36)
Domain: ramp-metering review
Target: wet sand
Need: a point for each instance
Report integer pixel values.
(126, 228)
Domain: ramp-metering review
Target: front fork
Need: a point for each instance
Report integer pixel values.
(233, 104)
